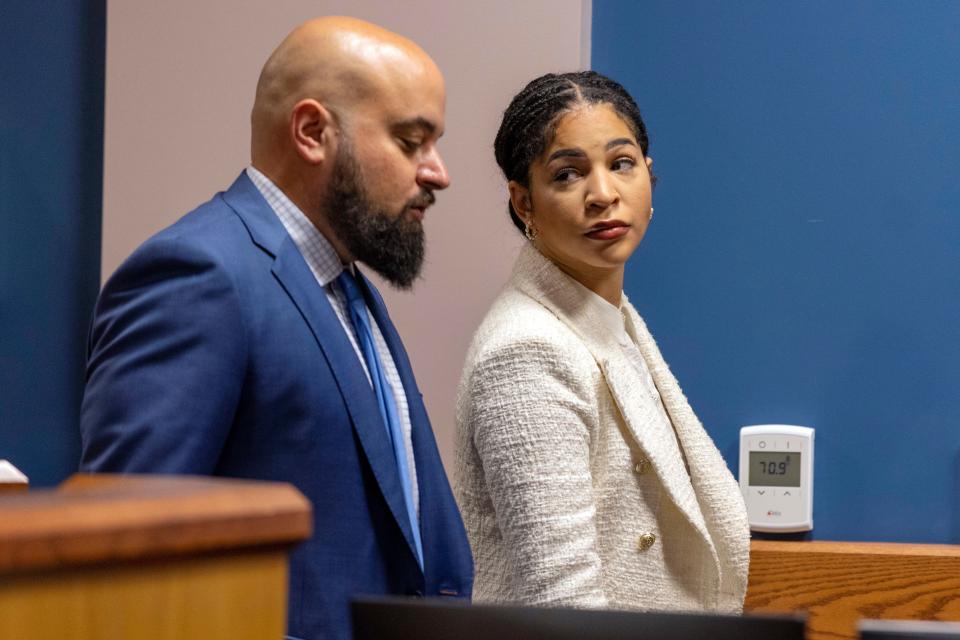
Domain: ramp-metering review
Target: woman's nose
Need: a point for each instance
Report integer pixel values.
(601, 190)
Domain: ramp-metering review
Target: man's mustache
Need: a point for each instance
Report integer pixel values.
(424, 200)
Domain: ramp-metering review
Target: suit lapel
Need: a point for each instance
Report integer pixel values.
(295, 277)
(441, 529)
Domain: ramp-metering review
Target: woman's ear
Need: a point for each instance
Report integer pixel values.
(312, 131)
(653, 176)
(520, 199)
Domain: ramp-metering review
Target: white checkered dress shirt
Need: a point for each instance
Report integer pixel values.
(326, 267)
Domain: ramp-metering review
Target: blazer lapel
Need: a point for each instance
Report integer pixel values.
(659, 445)
(539, 278)
(719, 495)
(293, 274)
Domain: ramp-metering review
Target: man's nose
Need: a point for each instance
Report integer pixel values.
(432, 172)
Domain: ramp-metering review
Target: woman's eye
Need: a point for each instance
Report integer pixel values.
(623, 164)
(565, 175)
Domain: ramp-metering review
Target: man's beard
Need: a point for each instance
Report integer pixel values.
(391, 243)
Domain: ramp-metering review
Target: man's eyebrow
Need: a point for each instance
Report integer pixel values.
(417, 123)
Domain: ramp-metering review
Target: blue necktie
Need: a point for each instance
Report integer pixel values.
(387, 403)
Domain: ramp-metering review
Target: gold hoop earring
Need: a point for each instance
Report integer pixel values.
(530, 231)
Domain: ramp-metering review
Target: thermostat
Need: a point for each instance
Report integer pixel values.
(776, 477)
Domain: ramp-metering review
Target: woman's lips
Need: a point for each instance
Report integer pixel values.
(608, 231)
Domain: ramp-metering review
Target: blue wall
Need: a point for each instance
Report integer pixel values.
(51, 168)
(804, 262)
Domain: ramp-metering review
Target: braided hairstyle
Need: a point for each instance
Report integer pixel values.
(531, 120)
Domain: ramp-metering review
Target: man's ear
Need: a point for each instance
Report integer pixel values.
(520, 199)
(312, 131)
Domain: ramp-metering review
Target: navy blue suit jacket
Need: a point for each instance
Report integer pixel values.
(213, 350)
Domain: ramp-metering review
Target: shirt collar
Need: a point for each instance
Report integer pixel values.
(320, 255)
(612, 317)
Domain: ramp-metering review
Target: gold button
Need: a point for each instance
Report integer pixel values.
(643, 465)
(646, 541)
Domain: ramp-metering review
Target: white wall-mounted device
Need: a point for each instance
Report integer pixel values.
(776, 477)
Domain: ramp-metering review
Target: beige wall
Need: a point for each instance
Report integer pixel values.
(179, 87)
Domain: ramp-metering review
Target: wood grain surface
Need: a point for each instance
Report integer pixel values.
(13, 487)
(837, 583)
(242, 596)
(95, 519)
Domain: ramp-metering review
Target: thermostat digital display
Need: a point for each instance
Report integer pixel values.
(776, 476)
(774, 469)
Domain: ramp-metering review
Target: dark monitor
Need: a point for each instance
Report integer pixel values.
(403, 618)
(908, 630)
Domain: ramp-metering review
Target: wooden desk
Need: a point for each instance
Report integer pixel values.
(838, 583)
(148, 557)
(13, 487)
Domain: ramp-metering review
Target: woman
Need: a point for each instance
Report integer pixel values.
(583, 475)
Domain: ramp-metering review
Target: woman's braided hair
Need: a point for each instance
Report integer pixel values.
(531, 119)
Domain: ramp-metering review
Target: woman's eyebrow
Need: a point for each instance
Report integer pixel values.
(618, 142)
(566, 153)
(578, 153)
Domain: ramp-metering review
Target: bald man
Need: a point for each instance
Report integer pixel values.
(243, 341)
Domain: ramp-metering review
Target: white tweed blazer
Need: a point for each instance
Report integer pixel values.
(561, 473)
